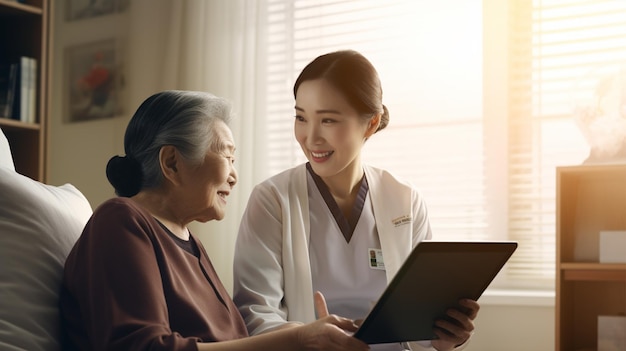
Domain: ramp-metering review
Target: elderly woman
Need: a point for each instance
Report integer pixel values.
(137, 279)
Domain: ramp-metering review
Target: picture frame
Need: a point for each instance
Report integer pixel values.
(84, 9)
(95, 80)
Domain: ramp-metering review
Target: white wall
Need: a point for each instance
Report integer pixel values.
(513, 328)
(78, 153)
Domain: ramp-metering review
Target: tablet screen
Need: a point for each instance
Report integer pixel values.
(431, 280)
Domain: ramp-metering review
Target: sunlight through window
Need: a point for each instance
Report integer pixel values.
(486, 173)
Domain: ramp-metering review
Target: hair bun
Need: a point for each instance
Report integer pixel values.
(384, 119)
(125, 174)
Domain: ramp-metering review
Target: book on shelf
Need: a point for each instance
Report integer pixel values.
(31, 107)
(8, 74)
(24, 82)
(18, 89)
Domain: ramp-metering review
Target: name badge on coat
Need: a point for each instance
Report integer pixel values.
(376, 259)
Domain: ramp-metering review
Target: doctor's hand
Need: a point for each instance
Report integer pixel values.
(329, 332)
(458, 328)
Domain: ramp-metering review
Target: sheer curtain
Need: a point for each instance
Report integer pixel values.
(215, 46)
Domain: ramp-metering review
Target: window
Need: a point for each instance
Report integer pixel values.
(486, 172)
(561, 53)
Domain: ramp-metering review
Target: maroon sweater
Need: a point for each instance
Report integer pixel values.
(128, 286)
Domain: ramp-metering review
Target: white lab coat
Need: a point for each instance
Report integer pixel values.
(272, 273)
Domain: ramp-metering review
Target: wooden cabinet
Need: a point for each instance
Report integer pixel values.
(25, 31)
(590, 199)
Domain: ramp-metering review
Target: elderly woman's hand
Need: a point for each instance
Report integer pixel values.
(329, 332)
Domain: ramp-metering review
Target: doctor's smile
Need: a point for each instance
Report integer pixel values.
(320, 156)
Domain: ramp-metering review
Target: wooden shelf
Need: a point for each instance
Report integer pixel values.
(593, 272)
(25, 31)
(11, 124)
(589, 199)
(594, 266)
(17, 8)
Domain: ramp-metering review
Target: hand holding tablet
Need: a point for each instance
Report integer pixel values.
(432, 280)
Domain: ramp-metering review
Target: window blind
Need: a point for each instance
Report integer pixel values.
(560, 52)
(429, 56)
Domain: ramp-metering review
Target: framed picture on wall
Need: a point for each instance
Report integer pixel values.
(94, 80)
(83, 9)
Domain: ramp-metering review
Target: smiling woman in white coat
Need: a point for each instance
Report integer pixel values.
(333, 224)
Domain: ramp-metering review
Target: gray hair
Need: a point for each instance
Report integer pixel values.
(183, 119)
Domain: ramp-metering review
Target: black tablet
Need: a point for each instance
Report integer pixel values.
(432, 279)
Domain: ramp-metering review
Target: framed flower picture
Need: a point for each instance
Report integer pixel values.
(95, 81)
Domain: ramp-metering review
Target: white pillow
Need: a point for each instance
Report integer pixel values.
(39, 224)
(6, 160)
